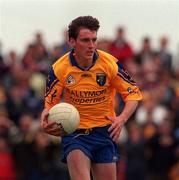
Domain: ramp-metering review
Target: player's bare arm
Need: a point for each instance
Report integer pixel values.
(50, 127)
(118, 122)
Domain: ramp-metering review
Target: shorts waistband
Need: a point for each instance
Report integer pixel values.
(88, 130)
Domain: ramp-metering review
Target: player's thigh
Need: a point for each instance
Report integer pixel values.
(78, 165)
(104, 171)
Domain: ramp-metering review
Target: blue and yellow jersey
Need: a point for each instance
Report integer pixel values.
(90, 90)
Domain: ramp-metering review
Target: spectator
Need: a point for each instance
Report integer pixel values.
(22, 145)
(103, 44)
(45, 164)
(136, 165)
(29, 60)
(146, 53)
(36, 56)
(150, 109)
(3, 66)
(64, 46)
(165, 55)
(120, 48)
(55, 54)
(12, 58)
(40, 50)
(162, 145)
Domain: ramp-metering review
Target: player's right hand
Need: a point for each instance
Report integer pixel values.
(50, 127)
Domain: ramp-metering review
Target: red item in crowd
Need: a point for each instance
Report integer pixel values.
(122, 53)
(7, 171)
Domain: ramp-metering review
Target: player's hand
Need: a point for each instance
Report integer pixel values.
(116, 127)
(50, 127)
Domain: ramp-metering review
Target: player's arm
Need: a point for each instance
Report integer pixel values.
(130, 93)
(119, 121)
(53, 92)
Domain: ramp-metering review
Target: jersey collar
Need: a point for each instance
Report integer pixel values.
(74, 62)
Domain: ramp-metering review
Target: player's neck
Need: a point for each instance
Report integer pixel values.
(83, 62)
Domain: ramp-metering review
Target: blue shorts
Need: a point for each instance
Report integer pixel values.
(94, 143)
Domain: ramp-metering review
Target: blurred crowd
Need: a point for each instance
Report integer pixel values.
(149, 141)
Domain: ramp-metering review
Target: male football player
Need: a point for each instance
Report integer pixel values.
(89, 79)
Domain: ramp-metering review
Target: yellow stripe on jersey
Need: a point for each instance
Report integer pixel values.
(90, 90)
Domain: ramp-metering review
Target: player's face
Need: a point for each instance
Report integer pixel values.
(85, 44)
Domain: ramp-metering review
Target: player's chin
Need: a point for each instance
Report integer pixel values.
(89, 55)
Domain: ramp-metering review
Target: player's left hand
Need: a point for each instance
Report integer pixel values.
(115, 128)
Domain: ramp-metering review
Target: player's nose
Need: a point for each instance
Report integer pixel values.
(91, 44)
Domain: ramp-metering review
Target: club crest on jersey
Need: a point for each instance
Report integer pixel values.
(101, 78)
(70, 80)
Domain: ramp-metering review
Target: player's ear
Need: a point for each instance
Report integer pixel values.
(72, 42)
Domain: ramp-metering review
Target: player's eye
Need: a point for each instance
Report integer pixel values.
(88, 40)
(85, 40)
(94, 40)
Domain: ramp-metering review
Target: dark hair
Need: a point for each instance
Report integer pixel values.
(82, 21)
